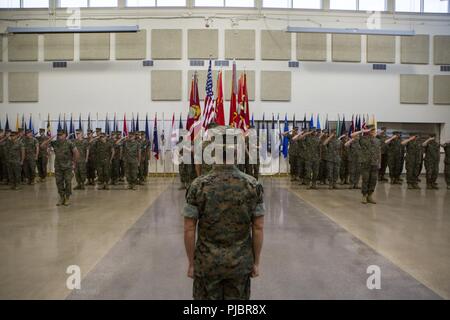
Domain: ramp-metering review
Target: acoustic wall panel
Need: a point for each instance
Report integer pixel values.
(346, 48)
(380, 49)
(131, 45)
(166, 44)
(58, 46)
(23, 47)
(240, 44)
(1, 86)
(23, 86)
(250, 83)
(201, 78)
(275, 85)
(414, 88)
(166, 85)
(312, 46)
(441, 49)
(415, 49)
(441, 91)
(275, 45)
(203, 43)
(94, 46)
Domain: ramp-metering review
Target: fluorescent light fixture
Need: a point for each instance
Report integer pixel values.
(385, 32)
(73, 29)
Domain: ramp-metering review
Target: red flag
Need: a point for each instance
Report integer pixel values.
(245, 111)
(125, 129)
(233, 100)
(193, 121)
(220, 115)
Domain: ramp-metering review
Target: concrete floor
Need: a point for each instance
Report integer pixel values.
(318, 244)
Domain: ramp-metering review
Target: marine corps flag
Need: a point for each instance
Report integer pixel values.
(220, 115)
(49, 130)
(244, 114)
(193, 124)
(125, 129)
(234, 119)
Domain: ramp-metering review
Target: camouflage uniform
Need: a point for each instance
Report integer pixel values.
(293, 156)
(312, 159)
(80, 166)
(323, 163)
(252, 168)
(29, 164)
(343, 169)
(103, 154)
(432, 157)
(224, 202)
(413, 160)
(354, 163)
(384, 157)
(332, 157)
(370, 162)
(301, 162)
(446, 147)
(13, 151)
(130, 155)
(143, 166)
(63, 166)
(115, 165)
(90, 165)
(205, 167)
(42, 158)
(395, 160)
(3, 167)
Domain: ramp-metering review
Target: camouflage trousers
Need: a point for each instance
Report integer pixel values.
(343, 170)
(221, 289)
(14, 173)
(103, 171)
(90, 169)
(63, 177)
(383, 165)
(143, 170)
(332, 172)
(253, 170)
(354, 171)
(412, 170)
(293, 165)
(301, 167)
(3, 170)
(29, 167)
(322, 171)
(42, 167)
(395, 166)
(115, 170)
(432, 169)
(369, 174)
(131, 172)
(447, 173)
(80, 172)
(311, 171)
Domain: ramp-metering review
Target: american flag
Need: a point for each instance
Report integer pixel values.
(208, 112)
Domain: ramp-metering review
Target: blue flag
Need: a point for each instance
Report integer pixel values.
(318, 122)
(71, 128)
(343, 128)
(137, 122)
(115, 126)
(263, 139)
(285, 138)
(252, 121)
(89, 122)
(30, 126)
(294, 123)
(311, 121)
(80, 126)
(155, 147)
(7, 123)
(133, 124)
(59, 123)
(304, 123)
(107, 130)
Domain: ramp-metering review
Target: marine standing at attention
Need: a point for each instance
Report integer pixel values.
(225, 210)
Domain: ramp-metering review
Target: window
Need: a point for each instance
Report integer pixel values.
(73, 3)
(9, 3)
(209, 3)
(343, 4)
(407, 5)
(240, 3)
(307, 4)
(35, 4)
(435, 6)
(102, 3)
(171, 3)
(276, 3)
(141, 3)
(372, 5)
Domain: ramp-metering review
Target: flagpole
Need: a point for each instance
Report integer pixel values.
(164, 147)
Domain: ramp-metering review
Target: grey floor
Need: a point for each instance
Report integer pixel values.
(305, 256)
